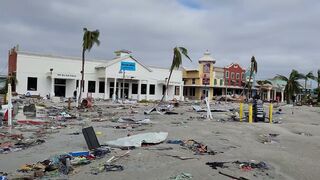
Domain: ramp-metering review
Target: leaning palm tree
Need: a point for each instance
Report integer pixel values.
(89, 39)
(306, 77)
(176, 63)
(253, 69)
(293, 86)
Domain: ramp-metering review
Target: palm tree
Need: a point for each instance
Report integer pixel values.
(293, 86)
(318, 81)
(89, 39)
(306, 77)
(176, 62)
(253, 69)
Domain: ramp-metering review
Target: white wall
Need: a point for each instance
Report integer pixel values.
(34, 65)
(29, 65)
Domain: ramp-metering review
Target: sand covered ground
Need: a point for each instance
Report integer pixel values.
(291, 152)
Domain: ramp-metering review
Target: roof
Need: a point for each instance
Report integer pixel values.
(116, 60)
(206, 57)
(57, 56)
(235, 64)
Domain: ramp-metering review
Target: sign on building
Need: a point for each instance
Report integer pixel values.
(127, 66)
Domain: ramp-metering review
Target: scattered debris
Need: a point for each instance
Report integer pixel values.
(233, 177)
(197, 148)
(182, 176)
(138, 140)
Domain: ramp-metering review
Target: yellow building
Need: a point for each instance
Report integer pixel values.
(198, 83)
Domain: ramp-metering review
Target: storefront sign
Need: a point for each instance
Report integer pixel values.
(66, 75)
(206, 74)
(128, 66)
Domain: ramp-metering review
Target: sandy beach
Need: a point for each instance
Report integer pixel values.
(292, 154)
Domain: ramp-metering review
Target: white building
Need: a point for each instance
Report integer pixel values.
(44, 75)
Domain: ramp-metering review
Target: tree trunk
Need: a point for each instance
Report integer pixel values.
(249, 85)
(166, 90)
(82, 76)
(318, 91)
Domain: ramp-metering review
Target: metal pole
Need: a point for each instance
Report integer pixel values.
(123, 86)
(9, 105)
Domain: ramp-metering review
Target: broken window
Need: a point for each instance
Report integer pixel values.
(152, 88)
(32, 84)
(101, 86)
(91, 86)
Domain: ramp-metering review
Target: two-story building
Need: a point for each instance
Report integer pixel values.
(234, 76)
(198, 83)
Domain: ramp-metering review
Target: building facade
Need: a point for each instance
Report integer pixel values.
(234, 76)
(198, 83)
(122, 77)
(219, 87)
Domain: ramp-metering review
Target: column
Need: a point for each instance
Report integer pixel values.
(282, 96)
(119, 89)
(268, 95)
(139, 90)
(130, 90)
(181, 93)
(114, 89)
(106, 88)
(166, 93)
(52, 87)
(148, 90)
(275, 95)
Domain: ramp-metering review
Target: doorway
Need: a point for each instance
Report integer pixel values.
(60, 87)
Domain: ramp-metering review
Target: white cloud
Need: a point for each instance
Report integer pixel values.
(283, 35)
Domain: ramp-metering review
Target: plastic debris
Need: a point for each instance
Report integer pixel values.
(182, 176)
(139, 139)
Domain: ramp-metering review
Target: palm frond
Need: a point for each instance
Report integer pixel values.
(281, 77)
(184, 51)
(254, 65)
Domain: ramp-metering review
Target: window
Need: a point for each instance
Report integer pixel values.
(193, 81)
(134, 89)
(227, 74)
(101, 86)
(177, 90)
(193, 91)
(232, 75)
(237, 76)
(215, 81)
(243, 76)
(91, 86)
(143, 89)
(32, 84)
(77, 83)
(221, 82)
(152, 88)
(163, 89)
